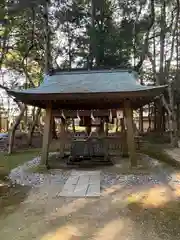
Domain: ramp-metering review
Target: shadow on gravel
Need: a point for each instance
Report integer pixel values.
(164, 219)
(11, 199)
(128, 213)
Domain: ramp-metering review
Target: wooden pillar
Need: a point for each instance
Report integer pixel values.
(54, 134)
(101, 132)
(46, 136)
(130, 133)
(141, 120)
(88, 130)
(124, 148)
(62, 137)
(73, 126)
(106, 128)
(87, 121)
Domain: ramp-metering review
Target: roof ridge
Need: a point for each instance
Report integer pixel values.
(83, 71)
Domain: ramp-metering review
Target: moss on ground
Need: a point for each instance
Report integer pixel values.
(8, 162)
(38, 169)
(156, 151)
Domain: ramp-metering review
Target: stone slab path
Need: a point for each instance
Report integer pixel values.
(82, 184)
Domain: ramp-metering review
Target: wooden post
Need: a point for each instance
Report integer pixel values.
(130, 133)
(73, 126)
(62, 137)
(141, 120)
(46, 136)
(124, 148)
(101, 132)
(106, 128)
(87, 121)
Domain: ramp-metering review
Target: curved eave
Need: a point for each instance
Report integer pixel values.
(87, 100)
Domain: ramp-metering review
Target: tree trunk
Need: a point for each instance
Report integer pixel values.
(0, 122)
(91, 44)
(47, 56)
(177, 118)
(173, 123)
(14, 127)
(159, 116)
(32, 128)
(155, 117)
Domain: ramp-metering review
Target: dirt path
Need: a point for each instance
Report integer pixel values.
(130, 208)
(43, 215)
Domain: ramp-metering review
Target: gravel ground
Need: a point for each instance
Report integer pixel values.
(21, 175)
(43, 215)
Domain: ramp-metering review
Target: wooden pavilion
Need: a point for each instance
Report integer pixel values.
(87, 90)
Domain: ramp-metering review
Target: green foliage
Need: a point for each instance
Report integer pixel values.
(110, 45)
(23, 52)
(111, 36)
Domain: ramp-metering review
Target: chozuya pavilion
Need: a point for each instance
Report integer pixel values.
(89, 90)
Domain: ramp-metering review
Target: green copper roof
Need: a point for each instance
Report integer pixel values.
(89, 90)
(89, 82)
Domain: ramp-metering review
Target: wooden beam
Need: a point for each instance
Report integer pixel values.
(46, 136)
(130, 133)
(84, 113)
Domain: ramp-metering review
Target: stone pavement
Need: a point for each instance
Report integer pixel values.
(82, 184)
